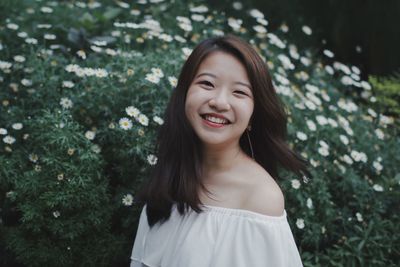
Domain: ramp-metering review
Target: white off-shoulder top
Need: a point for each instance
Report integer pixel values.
(217, 237)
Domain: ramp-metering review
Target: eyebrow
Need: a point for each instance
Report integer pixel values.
(213, 75)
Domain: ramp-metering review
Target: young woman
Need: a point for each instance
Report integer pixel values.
(219, 148)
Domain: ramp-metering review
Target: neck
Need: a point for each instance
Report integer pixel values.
(221, 159)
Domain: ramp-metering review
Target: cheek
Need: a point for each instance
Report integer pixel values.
(247, 109)
(190, 108)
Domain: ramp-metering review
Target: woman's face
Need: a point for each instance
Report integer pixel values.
(220, 88)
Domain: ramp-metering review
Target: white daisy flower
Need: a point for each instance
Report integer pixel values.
(273, 39)
(287, 64)
(12, 26)
(17, 126)
(166, 37)
(296, 184)
(158, 72)
(49, 36)
(321, 120)
(293, 51)
(307, 30)
(372, 112)
(96, 148)
(187, 51)
(377, 188)
(101, 73)
(314, 163)
(199, 9)
(46, 9)
(9, 140)
(66, 102)
(322, 143)
(235, 24)
(152, 159)
(90, 135)
(68, 84)
(152, 78)
(143, 120)
(158, 120)
(309, 203)
(300, 223)
(19, 58)
(347, 159)
(123, 4)
(311, 125)
(197, 17)
(366, 85)
(359, 217)
(328, 53)
(302, 136)
(81, 54)
(127, 200)
(260, 29)
(72, 68)
(344, 139)
(237, 5)
(111, 52)
(132, 111)
(262, 21)
(3, 131)
(305, 61)
(22, 34)
(135, 12)
(332, 122)
(33, 157)
(180, 39)
(173, 81)
(323, 151)
(329, 70)
(377, 165)
(31, 41)
(96, 48)
(60, 177)
(186, 27)
(4, 65)
(255, 13)
(44, 26)
(379, 133)
(56, 214)
(125, 123)
(358, 156)
(26, 82)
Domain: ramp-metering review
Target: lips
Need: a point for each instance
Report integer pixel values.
(215, 118)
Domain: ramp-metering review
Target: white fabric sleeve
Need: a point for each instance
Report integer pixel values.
(138, 247)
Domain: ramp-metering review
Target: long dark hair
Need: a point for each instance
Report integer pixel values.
(176, 177)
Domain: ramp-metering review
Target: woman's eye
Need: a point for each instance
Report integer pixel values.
(241, 92)
(206, 83)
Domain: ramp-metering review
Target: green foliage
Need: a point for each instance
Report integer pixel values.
(387, 92)
(84, 89)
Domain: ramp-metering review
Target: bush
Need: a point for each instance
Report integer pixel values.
(85, 86)
(387, 92)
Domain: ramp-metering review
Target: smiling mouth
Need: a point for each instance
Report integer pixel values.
(214, 121)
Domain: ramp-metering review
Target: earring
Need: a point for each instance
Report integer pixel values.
(248, 138)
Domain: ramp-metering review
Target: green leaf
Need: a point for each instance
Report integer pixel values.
(111, 13)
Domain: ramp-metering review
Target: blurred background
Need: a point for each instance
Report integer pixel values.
(84, 86)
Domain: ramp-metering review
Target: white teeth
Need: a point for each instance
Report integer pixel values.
(216, 120)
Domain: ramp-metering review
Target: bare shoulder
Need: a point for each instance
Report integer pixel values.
(265, 196)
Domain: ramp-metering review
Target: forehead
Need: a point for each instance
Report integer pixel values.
(223, 65)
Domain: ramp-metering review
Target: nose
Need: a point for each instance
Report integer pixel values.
(220, 101)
